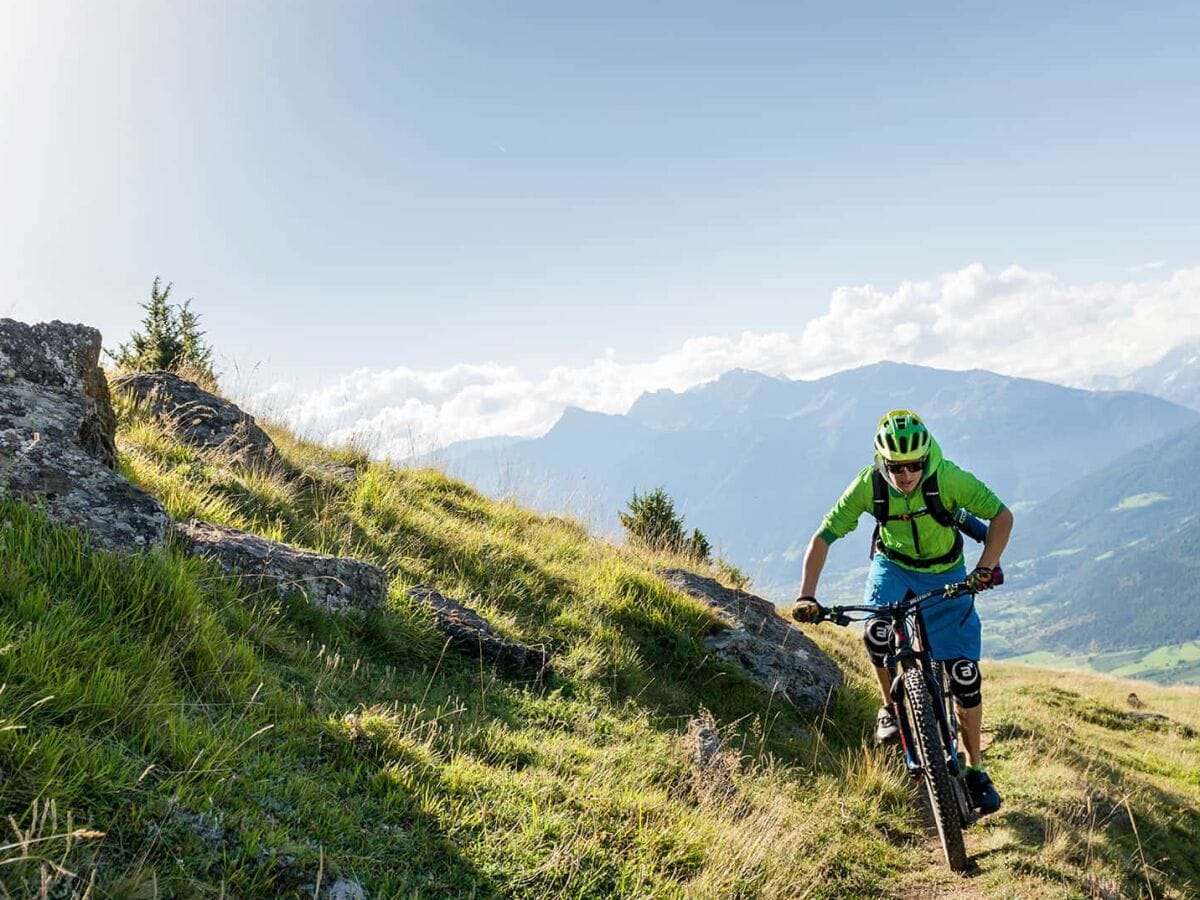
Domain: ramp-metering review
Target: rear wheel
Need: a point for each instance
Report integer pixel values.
(932, 756)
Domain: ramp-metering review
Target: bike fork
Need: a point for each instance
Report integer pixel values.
(906, 738)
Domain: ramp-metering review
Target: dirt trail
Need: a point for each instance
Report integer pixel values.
(938, 881)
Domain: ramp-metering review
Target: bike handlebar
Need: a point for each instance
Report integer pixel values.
(838, 614)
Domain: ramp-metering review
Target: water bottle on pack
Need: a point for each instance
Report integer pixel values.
(974, 528)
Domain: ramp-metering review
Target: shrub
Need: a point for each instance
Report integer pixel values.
(170, 340)
(732, 575)
(651, 521)
(697, 546)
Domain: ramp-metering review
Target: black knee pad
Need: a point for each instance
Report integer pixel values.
(877, 635)
(966, 684)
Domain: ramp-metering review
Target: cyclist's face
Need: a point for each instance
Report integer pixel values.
(904, 479)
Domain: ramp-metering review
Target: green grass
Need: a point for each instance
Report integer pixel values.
(1095, 799)
(164, 733)
(1092, 790)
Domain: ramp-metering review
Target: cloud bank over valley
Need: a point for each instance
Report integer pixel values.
(1017, 322)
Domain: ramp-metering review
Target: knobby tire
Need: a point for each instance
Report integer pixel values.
(938, 782)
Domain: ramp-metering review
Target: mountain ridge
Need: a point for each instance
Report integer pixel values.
(757, 478)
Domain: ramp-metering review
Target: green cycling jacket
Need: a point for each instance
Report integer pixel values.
(958, 488)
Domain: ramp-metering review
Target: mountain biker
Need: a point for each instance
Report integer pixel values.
(913, 553)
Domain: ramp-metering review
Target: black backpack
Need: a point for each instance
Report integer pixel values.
(962, 522)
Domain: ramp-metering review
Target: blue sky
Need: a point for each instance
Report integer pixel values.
(531, 185)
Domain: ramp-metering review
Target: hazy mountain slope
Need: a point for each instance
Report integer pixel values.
(756, 461)
(462, 448)
(1114, 558)
(1175, 377)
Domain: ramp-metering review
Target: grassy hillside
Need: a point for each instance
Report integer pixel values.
(167, 732)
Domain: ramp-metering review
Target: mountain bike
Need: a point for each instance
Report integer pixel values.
(925, 711)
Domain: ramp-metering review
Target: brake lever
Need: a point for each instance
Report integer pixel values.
(837, 617)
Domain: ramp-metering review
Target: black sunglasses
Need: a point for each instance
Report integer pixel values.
(906, 466)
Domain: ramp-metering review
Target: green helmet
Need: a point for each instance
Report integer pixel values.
(902, 437)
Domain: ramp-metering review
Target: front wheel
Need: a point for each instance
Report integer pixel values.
(932, 757)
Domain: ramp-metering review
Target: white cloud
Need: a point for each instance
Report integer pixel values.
(1016, 322)
(1147, 266)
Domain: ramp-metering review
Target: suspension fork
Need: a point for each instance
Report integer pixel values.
(902, 660)
(915, 768)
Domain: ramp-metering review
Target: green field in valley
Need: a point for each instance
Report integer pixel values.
(1172, 664)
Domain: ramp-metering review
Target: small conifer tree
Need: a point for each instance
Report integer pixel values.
(193, 351)
(697, 546)
(170, 339)
(651, 521)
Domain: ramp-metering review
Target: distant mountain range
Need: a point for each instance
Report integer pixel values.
(1175, 377)
(755, 461)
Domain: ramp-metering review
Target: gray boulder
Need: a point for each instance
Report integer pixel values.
(57, 436)
(198, 417)
(330, 583)
(770, 650)
(471, 633)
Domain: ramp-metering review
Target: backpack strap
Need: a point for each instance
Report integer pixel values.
(879, 501)
(952, 556)
(931, 492)
(967, 524)
(933, 501)
(879, 507)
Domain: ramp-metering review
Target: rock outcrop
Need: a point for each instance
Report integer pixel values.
(198, 417)
(330, 583)
(769, 649)
(471, 633)
(57, 436)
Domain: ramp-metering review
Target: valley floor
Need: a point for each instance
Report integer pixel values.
(1171, 664)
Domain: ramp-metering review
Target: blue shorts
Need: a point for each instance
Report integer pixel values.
(949, 635)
